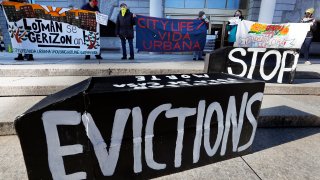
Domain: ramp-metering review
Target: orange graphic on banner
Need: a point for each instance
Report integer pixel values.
(258, 28)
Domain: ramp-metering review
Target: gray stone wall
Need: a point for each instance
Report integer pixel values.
(299, 8)
(286, 10)
(253, 10)
(4, 29)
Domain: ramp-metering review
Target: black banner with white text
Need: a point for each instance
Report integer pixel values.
(269, 65)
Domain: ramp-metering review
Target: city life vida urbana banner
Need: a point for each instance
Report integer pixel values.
(41, 29)
(258, 35)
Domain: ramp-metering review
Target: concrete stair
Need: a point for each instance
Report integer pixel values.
(22, 86)
(284, 105)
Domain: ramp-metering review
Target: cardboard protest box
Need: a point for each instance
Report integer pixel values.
(138, 127)
(269, 65)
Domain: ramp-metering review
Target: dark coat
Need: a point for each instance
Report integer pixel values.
(89, 8)
(313, 27)
(20, 1)
(124, 25)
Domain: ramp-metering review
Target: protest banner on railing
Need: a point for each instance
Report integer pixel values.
(35, 28)
(170, 35)
(257, 35)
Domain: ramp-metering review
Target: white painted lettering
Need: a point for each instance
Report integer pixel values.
(254, 59)
(232, 58)
(252, 119)
(198, 138)
(149, 137)
(283, 64)
(275, 70)
(51, 119)
(107, 160)
(181, 114)
(215, 106)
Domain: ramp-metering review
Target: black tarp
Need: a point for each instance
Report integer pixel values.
(55, 134)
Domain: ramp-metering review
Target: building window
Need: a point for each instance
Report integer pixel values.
(216, 4)
(211, 4)
(233, 4)
(194, 3)
(174, 3)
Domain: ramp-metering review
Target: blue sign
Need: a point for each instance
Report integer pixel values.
(170, 35)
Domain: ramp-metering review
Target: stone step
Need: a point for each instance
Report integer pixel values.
(36, 86)
(277, 111)
(113, 67)
(105, 69)
(43, 86)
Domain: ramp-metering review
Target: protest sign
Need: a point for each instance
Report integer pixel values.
(234, 21)
(170, 35)
(257, 35)
(270, 65)
(139, 127)
(35, 28)
(102, 19)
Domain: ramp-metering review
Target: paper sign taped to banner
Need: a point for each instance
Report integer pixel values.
(257, 35)
(41, 29)
(102, 19)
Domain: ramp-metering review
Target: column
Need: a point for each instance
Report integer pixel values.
(267, 11)
(156, 8)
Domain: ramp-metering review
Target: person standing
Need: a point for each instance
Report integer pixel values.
(308, 18)
(233, 26)
(198, 54)
(124, 29)
(20, 57)
(92, 5)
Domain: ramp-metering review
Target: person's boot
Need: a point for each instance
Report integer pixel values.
(131, 58)
(30, 57)
(307, 62)
(98, 57)
(87, 57)
(19, 58)
(124, 58)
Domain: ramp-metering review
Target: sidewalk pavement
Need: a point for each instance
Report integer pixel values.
(277, 153)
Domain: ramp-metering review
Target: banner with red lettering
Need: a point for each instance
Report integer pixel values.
(170, 35)
(41, 29)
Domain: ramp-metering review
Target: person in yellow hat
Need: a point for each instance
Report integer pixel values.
(308, 18)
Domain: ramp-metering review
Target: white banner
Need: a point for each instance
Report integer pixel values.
(42, 29)
(257, 35)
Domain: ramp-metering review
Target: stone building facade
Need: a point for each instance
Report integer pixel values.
(285, 11)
